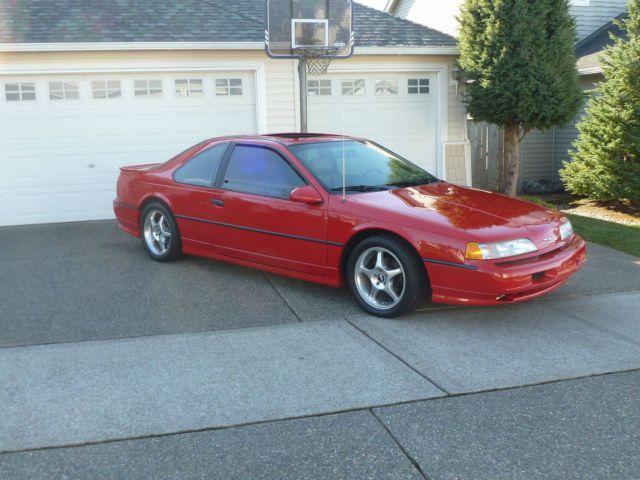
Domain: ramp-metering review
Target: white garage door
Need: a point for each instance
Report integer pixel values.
(63, 137)
(396, 110)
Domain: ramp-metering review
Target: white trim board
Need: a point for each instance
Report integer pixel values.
(142, 46)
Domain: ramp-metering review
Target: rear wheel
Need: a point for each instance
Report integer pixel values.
(159, 233)
(386, 276)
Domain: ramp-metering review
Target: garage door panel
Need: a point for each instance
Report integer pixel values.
(406, 123)
(24, 127)
(61, 128)
(27, 167)
(107, 125)
(60, 159)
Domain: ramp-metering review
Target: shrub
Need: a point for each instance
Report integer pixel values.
(606, 155)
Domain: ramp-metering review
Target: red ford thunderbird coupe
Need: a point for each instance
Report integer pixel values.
(338, 210)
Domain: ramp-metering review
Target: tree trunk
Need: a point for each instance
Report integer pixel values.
(512, 158)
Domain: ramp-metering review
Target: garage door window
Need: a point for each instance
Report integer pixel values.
(189, 87)
(147, 88)
(63, 91)
(318, 87)
(20, 91)
(387, 86)
(106, 89)
(260, 171)
(201, 169)
(418, 86)
(353, 87)
(228, 86)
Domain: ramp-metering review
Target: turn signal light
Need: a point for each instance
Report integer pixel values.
(474, 252)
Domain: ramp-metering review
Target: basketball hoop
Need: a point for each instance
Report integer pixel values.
(317, 59)
(312, 31)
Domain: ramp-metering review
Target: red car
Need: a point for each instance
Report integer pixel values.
(335, 210)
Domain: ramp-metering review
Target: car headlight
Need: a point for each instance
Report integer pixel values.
(566, 230)
(509, 248)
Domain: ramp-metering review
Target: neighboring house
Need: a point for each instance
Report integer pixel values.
(542, 152)
(86, 87)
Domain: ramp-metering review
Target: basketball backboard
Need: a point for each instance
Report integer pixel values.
(295, 25)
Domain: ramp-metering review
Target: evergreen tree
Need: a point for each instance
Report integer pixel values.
(519, 59)
(606, 154)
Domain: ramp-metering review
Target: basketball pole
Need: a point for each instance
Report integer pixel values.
(302, 78)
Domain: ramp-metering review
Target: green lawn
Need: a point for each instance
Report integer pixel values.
(625, 238)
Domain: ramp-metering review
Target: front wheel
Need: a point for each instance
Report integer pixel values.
(159, 232)
(386, 276)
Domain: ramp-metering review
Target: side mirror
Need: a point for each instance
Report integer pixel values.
(305, 194)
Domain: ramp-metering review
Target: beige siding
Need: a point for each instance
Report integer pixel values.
(280, 89)
(455, 164)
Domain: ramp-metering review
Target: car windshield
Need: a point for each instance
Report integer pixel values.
(368, 167)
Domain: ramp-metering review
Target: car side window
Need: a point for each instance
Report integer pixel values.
(260, 171)
(202, 168)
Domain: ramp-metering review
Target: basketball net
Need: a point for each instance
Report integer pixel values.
(317, 59)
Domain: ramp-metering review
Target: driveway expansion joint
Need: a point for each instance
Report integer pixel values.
(399, 358)
(270, 282)
(413, 461)
(370, 409)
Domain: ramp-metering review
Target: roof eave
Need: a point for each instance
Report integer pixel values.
(119, 46)
(409, 50)
(124, 46)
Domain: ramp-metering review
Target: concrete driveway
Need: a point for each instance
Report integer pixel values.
(114, 366)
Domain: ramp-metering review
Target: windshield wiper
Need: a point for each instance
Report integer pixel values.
(361, 188)
(413, 183)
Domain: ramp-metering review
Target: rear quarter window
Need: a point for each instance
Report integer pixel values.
(202, 168)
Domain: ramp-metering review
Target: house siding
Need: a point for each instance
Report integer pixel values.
(455, 164)
(442, 15)
(593, 16)
(536, 156)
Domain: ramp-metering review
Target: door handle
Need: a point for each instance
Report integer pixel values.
(217, 202)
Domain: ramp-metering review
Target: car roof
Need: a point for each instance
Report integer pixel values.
(292, 138)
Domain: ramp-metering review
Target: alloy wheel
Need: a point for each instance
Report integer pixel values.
(157, 232)
(379, 278)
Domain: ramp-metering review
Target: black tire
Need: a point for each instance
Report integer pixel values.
(411, 290)
(157, 245)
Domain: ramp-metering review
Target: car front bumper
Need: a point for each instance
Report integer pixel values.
(507, 281)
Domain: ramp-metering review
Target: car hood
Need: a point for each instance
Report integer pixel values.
(484, 216)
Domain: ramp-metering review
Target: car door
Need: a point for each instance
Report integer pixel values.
(192, 195)
(258, 222)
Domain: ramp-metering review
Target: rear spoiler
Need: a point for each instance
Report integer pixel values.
(139, 168)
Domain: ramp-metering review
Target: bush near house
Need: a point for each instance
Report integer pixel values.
(606, 157)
